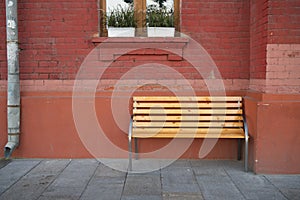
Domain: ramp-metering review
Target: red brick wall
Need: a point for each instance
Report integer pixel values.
(55, 36)
(222, 28)
(271, 22)
(137, 58)
(258, 38)
(283, 23)
(283, 50)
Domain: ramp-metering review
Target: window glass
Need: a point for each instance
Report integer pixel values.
(113, 4)
(134, 18)
(167, 3)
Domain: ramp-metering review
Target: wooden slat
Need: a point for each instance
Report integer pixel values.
(186, 133)
(182, 117)
(187, 111)
(186, 118)
(185, 98)
(188, 124)
(186, 105)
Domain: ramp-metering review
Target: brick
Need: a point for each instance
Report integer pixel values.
(43, 76)
(292, 68)
(172, 57)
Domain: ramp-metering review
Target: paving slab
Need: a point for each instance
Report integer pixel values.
(214, 182)
(182, 196)
(218, 187)
(13, 171)
(254, 187)
(289, 185)
(142, 197)
(179, 180)
(142, 184)
(33, 184)
(84, 179)
(4, 162)
(178, 163)
(73, 180)
(106, 184)
(103, 191)
(103, 171)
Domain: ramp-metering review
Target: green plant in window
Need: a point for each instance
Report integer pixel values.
(160, 16)
(121, 17)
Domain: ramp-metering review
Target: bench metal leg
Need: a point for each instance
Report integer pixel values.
(246, 153)
(239, 156)
(136, 148)
(130, 145)
(130, 154)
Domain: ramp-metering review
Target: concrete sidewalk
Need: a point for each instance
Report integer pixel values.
(184, 179)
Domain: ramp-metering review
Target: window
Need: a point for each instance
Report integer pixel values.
(140, 16)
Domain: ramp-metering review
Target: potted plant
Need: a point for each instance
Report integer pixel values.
(160, 21)
(120, 21)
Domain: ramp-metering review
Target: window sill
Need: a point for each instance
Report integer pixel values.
(179, 40)
(113, 46)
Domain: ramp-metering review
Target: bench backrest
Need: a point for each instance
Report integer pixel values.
(170, 116)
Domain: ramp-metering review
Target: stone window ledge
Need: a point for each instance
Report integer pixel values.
(117, 45)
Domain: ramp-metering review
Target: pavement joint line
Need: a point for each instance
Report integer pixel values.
(89, 180)
(161, 183)
(195, 179)
(20, 178)
(70, 160)
(125, 180)
(275, 187)
(223, 164)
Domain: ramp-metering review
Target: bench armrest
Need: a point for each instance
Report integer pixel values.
(246, 141)
(245, 127)
(130, 127)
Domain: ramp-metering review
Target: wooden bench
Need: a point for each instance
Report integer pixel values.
(188, 117)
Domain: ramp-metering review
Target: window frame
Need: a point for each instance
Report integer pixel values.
(140, 7)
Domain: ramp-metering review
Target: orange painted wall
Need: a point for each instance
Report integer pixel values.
(278, 139)
(48, 130)
(274, 122)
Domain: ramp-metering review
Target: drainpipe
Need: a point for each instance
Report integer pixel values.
(13, 81)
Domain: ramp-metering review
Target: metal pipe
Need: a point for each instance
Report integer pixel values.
(13, 79)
